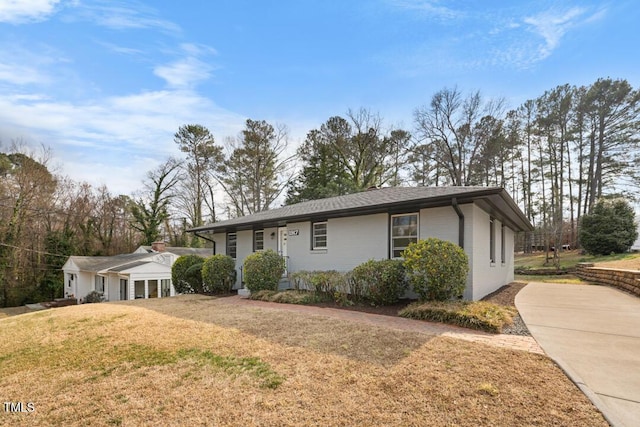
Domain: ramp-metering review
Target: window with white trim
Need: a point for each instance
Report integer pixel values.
(319, 235)
(258, 240)
(404, 230)
(232, 241)
(100, 284)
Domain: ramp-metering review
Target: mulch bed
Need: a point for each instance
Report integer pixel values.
(506, 295)
(386, 310)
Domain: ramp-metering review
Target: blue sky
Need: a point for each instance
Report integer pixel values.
(106, 84)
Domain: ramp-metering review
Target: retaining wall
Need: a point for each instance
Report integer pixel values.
(628, 280)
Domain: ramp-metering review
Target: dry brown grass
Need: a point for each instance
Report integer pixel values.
(630, 263)
(121, 364)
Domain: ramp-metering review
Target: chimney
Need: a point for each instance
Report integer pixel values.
(159, 246)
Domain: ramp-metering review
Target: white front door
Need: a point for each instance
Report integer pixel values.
(282, 241)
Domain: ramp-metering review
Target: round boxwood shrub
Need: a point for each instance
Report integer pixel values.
(263, 270)
(381, 282)
(186, 274)
(218, 272)
(437, 269)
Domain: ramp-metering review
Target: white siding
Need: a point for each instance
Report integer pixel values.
(489, 276)
(442, 223)
(439, 222)
(350, 241)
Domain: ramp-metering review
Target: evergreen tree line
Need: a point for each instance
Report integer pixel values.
(556, 155)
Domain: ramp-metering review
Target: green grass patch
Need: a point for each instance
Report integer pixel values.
(288, 297)
(235, 365)
(481, 315)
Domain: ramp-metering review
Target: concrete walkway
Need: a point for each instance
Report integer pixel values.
(593, 333)
(513, 342)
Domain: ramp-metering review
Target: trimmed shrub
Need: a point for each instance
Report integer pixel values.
(186, 274)
(381, 282)
(93, 297)
(436, 269)
(263, 270)
(218, 273)
(327, 282)
(480, 315)
(287, 297)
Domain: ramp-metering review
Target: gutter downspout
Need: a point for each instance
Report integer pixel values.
(454, 203)
(208, 239)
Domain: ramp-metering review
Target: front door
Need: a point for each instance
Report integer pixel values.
(282, 241)
(282, 248)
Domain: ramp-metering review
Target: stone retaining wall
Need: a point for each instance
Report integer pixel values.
(628, 280)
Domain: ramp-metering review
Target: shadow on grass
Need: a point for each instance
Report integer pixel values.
(353, 340)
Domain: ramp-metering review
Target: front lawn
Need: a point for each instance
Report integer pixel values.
(195, 360)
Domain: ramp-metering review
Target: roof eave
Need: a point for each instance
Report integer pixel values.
(520, 222)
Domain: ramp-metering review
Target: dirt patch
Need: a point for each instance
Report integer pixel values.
(13, 311)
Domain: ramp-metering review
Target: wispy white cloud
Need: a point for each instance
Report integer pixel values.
(190, 69)
(22, 11)
(19, 74)
(552, 26)
(120, 15)
(21, 65)
(505, 38)
(431, 8)
(120, 49)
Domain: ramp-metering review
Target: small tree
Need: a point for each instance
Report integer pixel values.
(263, 270)
(218, 272)
(186, 274)
(609, 228)
(437, 269)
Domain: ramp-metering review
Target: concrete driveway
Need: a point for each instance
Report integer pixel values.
(593, 333)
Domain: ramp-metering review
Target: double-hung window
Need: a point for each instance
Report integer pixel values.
(404, 230)
(100, 284)
(258, 240)
(232, 240)
(319, 235)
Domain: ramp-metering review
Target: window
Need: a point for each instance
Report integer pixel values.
(100, 284)
(503, 252)
(319, 236)
(232, 240)
(404, 230)
(258, 240)
(492, 240)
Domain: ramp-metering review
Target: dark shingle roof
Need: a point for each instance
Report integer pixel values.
(380, 200)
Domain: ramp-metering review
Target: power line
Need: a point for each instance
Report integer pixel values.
(33, 250)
